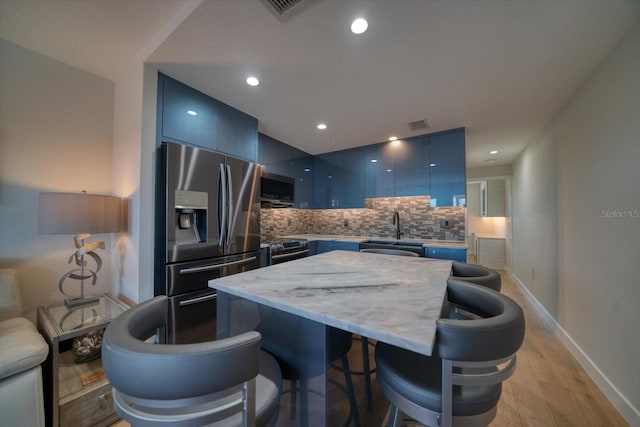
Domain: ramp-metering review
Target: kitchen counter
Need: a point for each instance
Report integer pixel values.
(392, 299)
(361, 239)
(487, 236)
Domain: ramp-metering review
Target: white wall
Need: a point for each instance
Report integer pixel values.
(56, 134)
(570, 250)
(134, 148)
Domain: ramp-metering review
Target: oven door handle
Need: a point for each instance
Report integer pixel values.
(215, 266)
(290, 254)
(198, 299)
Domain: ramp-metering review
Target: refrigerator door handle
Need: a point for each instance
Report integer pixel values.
(216, 266)
(222, 206)
(198, 300)
(230, 212)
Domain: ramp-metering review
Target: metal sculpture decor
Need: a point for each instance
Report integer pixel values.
(83, 272)
(80, 214)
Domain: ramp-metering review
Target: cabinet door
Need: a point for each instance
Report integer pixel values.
(352, 178)
(303, 167)
(188, 115)
(379, 171)
(346, 246)
(447, 171)
(326, 181)
(324, 246)
(237, 133)
(453, 254)
(412, 167)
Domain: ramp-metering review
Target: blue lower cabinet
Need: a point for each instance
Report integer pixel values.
(324, 246)
(346, 246)
(313, 247)
(454, 254)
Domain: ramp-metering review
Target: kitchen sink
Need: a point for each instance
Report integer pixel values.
(404, 245)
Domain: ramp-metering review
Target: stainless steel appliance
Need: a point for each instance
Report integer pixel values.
(277, 191)
(287, 249)
(209, 205)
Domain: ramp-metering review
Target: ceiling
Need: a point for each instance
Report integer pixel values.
(500, 68)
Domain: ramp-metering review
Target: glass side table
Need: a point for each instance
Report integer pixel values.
(76, 393)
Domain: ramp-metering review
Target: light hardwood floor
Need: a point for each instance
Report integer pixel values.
(548, 389)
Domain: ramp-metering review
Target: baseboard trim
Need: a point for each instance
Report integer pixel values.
(617, 399)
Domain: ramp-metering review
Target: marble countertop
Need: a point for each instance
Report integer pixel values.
(392, 299)
(361, 239)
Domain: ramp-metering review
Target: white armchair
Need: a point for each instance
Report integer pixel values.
(22, 350)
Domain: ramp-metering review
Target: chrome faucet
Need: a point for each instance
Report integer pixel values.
(396, 222)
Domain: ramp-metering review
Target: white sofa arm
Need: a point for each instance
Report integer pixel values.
(10, 300)
(21, 346)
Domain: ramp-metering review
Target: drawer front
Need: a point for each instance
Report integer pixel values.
(89, 409)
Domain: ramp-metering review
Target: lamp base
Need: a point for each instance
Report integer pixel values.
(80, 301)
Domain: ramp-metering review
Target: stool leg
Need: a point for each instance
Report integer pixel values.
(351, 391)
(366, 371)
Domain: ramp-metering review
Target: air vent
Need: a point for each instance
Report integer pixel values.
(282, 9)
(418, 125)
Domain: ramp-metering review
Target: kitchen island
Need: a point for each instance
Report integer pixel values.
(387, 298)
(396, 300)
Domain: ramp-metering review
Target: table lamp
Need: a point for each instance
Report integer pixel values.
(80, 214)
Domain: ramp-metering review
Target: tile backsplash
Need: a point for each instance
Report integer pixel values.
(417, 220)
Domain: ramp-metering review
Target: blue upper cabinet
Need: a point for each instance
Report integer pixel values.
(327, 177)
(352, 178)
(237, 133)
(187, 115)
(448, 178)
(379, 170)
(411, 166)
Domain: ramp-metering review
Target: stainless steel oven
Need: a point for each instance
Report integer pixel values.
(285, 249)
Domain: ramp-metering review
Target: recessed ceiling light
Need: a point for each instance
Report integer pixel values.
(393, 138)
(359, 26)
(321, 126)
(388, 170)
(253, 81)
(432, 164)
(192, 113)
(307, 170)
(493, 152)
(374, 161)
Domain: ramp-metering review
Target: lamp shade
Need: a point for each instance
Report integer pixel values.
(75, 213)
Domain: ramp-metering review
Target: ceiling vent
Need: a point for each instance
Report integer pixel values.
(282, 9)
(418, 125)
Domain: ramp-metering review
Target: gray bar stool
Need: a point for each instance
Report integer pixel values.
(462, 380)
(230, 381)
(477, 274)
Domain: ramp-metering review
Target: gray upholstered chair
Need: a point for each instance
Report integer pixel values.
(462, 380)
(230, 380)
(477, 274)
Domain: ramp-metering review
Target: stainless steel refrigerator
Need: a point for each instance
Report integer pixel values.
(209, 227)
